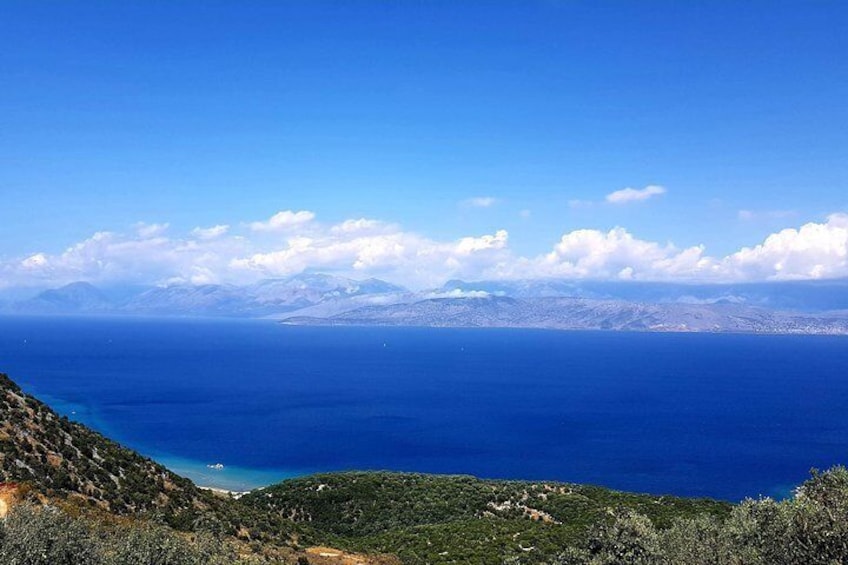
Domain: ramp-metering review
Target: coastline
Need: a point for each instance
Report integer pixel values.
(224, 492)
(229, 479)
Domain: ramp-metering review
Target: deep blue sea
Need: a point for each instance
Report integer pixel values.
(726, 416)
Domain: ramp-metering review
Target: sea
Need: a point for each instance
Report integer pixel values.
(240, 404)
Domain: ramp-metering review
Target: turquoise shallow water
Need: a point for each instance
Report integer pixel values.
(229, 477)
(207, 474)
(718, 415)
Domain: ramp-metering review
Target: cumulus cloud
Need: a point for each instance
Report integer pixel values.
(138, 257)
(617, 254)
(480, 202)
(468, 245)
(210, 233)
(365, 247)
(403, 256)
(627, 195)
(813, 251)
(284, 220)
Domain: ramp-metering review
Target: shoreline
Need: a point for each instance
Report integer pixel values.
(226, 493)
(227, 479)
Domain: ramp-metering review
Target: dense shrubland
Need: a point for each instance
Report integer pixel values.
(427, 519)
(459, 519)
(46, 535)
(809, 529)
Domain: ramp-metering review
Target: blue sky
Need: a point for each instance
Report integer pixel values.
(439, 122)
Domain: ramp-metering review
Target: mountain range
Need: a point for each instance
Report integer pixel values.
(266, 298)
(322, 299)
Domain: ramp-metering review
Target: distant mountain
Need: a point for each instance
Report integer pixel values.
(583, 314)
(74, 298)
(307, 290)
(314, 298)
(189, 300)
(266, 298)
(803, 296)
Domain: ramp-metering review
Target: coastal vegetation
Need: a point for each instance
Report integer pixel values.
(71, 496)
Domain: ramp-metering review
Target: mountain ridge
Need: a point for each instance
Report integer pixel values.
(583, 314)
(815, 307)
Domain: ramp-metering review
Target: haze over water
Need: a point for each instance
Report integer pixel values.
(726, 416)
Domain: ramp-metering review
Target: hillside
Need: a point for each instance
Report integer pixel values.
(61, 459)
(459, 519)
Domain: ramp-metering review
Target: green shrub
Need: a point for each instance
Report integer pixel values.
(33, 535)
(46, 536)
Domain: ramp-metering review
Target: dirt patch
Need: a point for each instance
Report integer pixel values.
(331, 556)
(8, 497)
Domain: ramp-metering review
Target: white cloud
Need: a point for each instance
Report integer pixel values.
(361, 225)
(617, 254)
(468, 245)
(480, 202)
(363, 247)
(626, 195)
(284, 220)
(150, 230)
(402, 256)
(210, 233)
(813, 251)
(458, 293)
(136, 257)
(37, 261)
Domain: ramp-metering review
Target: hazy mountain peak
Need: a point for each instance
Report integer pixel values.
(75, 297)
